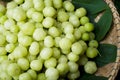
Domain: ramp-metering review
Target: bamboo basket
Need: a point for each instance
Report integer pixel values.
(110, 70)
(113, 37)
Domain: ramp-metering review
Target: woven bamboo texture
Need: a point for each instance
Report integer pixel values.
(113, 37)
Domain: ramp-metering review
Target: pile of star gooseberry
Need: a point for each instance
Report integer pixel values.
(45, 40)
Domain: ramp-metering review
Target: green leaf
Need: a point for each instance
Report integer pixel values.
(103, 25)
(108, 53)
(92, 77)
(94, 7)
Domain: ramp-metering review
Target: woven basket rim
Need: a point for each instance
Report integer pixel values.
(116, 26)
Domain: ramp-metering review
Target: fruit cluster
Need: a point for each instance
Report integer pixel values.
(45, 40)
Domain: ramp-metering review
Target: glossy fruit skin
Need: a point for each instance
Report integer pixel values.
(89, 27)
(90, 67)
(46, 40)
(93, 43)
(91, 52)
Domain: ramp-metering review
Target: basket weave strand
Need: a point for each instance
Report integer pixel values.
(116, 25)
(113, 37)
